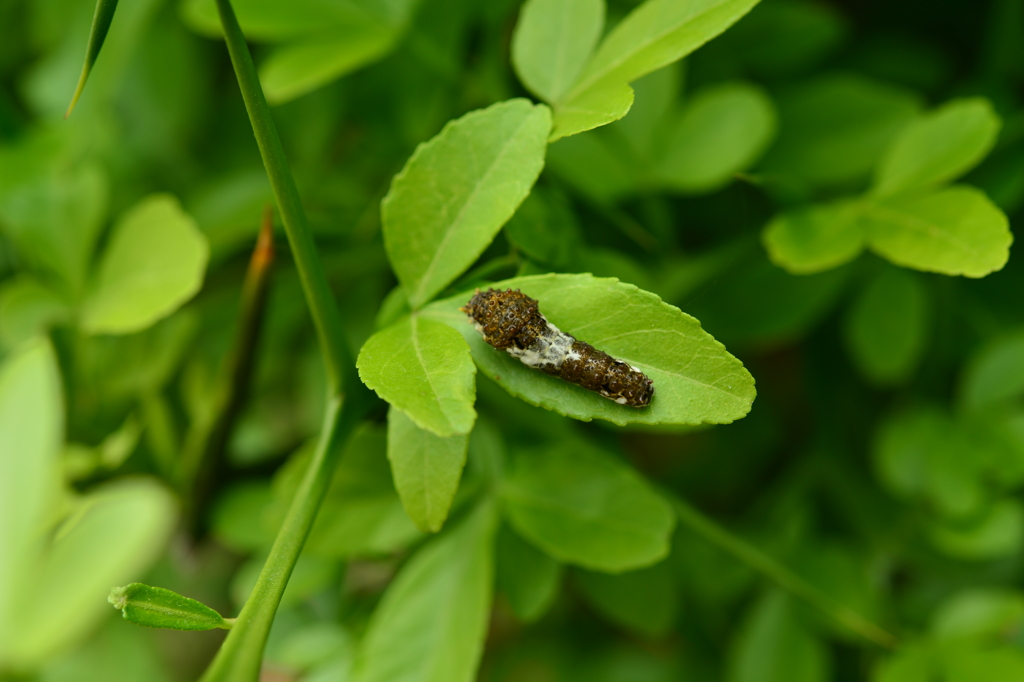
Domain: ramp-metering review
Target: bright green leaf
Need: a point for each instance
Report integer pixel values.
(774, 646)
(552, 41)
(430, 625)
(422, 368)
(294, 69)
(655, 34)
(156, 607)
(598, 106)
(584, 507)
(815, 238)
(939, 147)
(955, 231)
(31, 431)
(887, 326)
(272, 21)
(834, 128)
(115, 535)
(527, 577)
(426, 468)
(458, 189)
(645, 601)
(721, 131)
(154, 263)
(695, 379)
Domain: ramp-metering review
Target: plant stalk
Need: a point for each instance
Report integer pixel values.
(340, 364)
(241, 655)
(780, 575)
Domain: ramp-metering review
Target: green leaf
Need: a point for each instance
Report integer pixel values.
(296, 68)
(654, 35)
(458, 189)
(527, 577)
(27, 309)
(153, 264)
(584, 507)
(994, 375)
(601, 167)
(361, 514)
(923, 454)
(598, 106)
(695, 379)
(997, 533)
(979, 612)
(430, 625)
(422, 368)
(938, 147)
(815, 238)
(834, 128)
(984, 663)
(915, 662)
(114, 535)
(31, 431)
(53, 216)
(272, 21)
(156, 607)
(721, 131)
(645, 601)
(100, 25)
(955, 231)
(887, 326)
(552, 41)
(755, 302)
(773, 646)
(426, 469)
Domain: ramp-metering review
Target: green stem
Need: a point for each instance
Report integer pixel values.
(241, 654)
(97, 34)
(782, 576)
(340, 364)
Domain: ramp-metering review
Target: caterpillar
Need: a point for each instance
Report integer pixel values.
(511, 321)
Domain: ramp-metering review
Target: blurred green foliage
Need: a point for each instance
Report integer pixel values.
(789, 185)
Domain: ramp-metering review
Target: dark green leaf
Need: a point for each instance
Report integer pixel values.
(773, 646)
(97, 34)
(645, 601)
(528, 577)
(722, 131)
(939, 147)
(583, 507)
(887, 326)
(430, 625)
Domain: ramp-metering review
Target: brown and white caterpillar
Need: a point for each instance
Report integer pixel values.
(511, 321)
